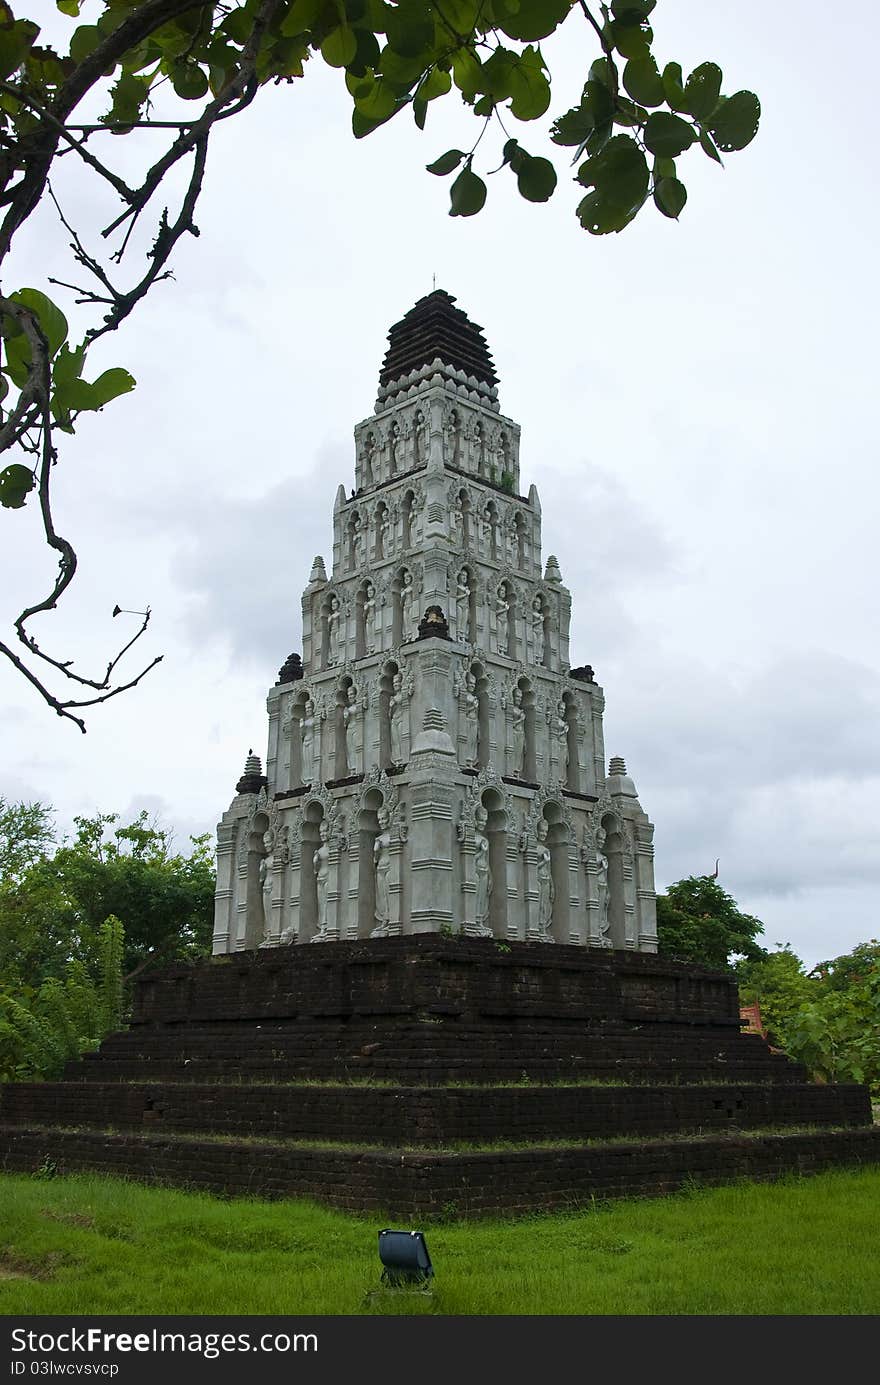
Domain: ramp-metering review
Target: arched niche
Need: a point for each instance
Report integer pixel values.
(395, 449)
(490, 530)
(613, 849)
(330, 628)
(496, 831)
(313, 814)
(368, 455)
(559, 843)
(455, 435)
(255, 916)
(365, 618)
(381, 520)
(506, 618)
(386, 687)
(368, 832)
(406, 511)
(480, 450)
(354, 541)
(465, 605)
(573, 772)
(519, 529)
(506, 477)
(420, 439)
(530, 766)
(297, 712)
(467, 517)
(340, 762)
(482, 691)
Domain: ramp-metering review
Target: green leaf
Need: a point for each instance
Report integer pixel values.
(735, 122)
(673, 86)
(604, 72)
(301, 18)
(447, 163)
(53, 324)
(708, 146)
(367, 55)
(16, 482)
(668, 135)
(670, 196)
(529, 87)
(536, 179)
(643, 82)
(628, 113)
(619, 172)
(80, 396)
(664, 168)
(110, 385)
(702, 90)
(362, 125)
(189, 81)
(632, 40)
(68, 364)
(632, 10)
(597, 99)
(84, 41)
(375, 100)
(437, 83)
(599, 138)
(409, 28)
(532, 19)
(573, 127)
(339, 47)
(402, 73)
(70, 7)
(462, 14)
(420, 111)
(599, 216)
(467, 194)
(467, 72)
(15, 43)
(515, 155)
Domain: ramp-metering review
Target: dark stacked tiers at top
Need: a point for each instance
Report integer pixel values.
(434, 328)
(400, 1052)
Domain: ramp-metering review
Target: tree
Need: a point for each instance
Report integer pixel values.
(63, 1017)
(54, 912)
(140, 59)
(26, 832)
(779, 985)
(697, 921)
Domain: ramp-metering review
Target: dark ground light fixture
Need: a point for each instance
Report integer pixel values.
(405, 1258)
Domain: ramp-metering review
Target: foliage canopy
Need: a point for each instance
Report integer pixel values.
(163, 73)
(79, 919)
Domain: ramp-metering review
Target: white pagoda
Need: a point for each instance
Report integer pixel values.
(434, 763)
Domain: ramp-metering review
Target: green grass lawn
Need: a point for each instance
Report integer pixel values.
(89, 1245)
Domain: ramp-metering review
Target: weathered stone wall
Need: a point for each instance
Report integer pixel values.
(437, 1185)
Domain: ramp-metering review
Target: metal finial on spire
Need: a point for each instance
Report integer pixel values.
(433, 281)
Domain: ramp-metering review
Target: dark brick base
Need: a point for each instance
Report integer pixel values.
(515, 1182)
(223, 1048)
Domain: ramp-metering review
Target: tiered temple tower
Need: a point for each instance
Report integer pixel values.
(434, 763)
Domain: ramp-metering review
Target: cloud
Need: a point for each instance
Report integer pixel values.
(242, 570)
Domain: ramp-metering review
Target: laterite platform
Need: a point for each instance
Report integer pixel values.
(426, 1076)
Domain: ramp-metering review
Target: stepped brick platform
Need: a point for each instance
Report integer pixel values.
(427, 1075)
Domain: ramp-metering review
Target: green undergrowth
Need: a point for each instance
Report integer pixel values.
(89, 1245)
(437, 1147)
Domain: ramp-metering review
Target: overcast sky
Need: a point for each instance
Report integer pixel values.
(698, 405)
